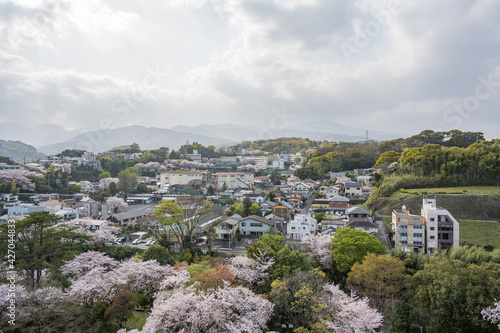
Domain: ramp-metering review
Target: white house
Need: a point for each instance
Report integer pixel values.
(24, 209)
(195, 156)
(301, 188)
(68, 213)
(255, 225)
(352, 189)
(442, 230)
(332, 191)
(302, 225)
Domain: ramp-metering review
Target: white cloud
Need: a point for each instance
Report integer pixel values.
(234, 61)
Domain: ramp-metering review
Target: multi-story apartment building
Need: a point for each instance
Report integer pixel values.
(183, 177)
(409, 231)
(443, 231)
(233, 180)
(435, 228)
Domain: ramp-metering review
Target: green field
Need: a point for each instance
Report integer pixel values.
(493, 190)
(479, 232)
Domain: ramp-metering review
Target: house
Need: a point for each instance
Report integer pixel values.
(332, 191)
(130, 216)
(92, 225)
(68, 213)
(322, 189)
(233, 180)
(309, 182)
(278, 165)
(80, 196)
(278, 199)
(353, 189)
(227, 229)
(8, 167)
(409, 231)
(256, 198)
(183, 177)
(330, 226)
(86, 187)
(301, 188)
(442, 230)
(267, 206)
(263, 180)
(24, 209)
(286, 190)
(366, 191)
(9, 200)
(302, 225)
(71, 203)
(366, 225)
(342, 180)
(354, 213)
(51, 205)
(367, 180)
(335, 205)
(255, 225)
(283, 209)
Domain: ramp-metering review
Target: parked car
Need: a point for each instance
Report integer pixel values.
(150, 242)
(137, 241)
(121, 240)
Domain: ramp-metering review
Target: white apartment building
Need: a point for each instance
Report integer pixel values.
(302, 225)
(443, 231)
(233, 180)
(182, 177)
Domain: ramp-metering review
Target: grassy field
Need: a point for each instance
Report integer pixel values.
(493, 190)
(479, 232)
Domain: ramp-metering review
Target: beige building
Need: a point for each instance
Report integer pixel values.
(183, 177)
(233, 180)
(409, 231)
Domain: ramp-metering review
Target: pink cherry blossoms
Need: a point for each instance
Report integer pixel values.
(19, 178)
(492, 314)
(116, 203)
(104, 183)
(94, 276)
(151, 167)
(250, 271)
(319, 245)
(180, 308)
(349, 313)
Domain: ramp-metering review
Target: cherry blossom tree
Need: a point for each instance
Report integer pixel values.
(116, 203)
(492, 314)
(20, 180)
(104, 183)
(246, 167)
(181, 308)
(251, 271)
(106, 234)
(348, 314)
(319, 246)
(151, 167)
(94, 275)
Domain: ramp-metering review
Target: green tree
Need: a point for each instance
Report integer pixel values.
(182, 218)
(74, 188)
(40, 243)
(104, 174)
(121, 308)
(128, 179)
(380, 278)
(141, 188)
(112, 190)
(224, 187)
(158, 253)
(320, 216)
(352, 245)
(254, 209)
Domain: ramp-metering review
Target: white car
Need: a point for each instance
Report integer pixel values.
(150, 242)
(137, 241)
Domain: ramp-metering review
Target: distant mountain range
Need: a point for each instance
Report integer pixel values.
(52, 139)
(18, 150)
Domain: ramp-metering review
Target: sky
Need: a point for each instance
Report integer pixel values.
(399, 66)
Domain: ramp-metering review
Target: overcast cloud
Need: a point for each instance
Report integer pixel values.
(387, 65)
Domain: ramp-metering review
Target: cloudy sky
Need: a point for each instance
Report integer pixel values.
(387, 65)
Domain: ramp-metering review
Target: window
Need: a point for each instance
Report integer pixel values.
(417, 235)
(432, 237)
(243, 224)
(432, 219)
(402, 219)
(432, 228)
(293, 228)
